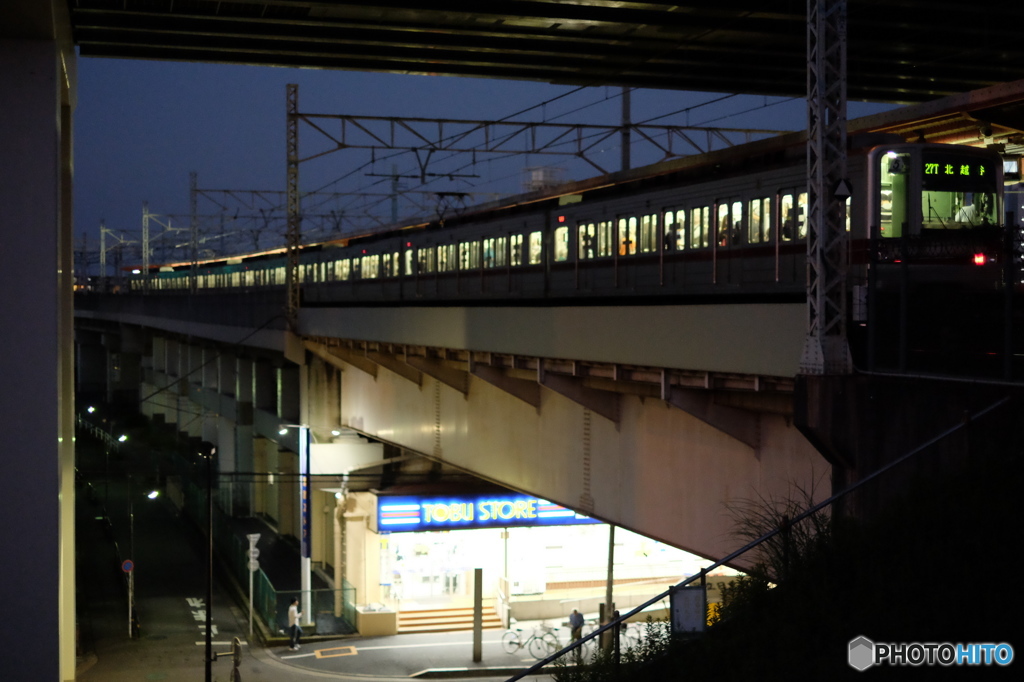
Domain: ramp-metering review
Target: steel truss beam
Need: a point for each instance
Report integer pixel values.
(431, 135)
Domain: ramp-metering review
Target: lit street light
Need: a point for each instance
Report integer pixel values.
(305, 518)
(133, 626)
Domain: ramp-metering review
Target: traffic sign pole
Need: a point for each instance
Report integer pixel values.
(254, 565)
(128, 566)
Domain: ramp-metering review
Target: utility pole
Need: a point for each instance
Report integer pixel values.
(294, 234)
(626, 122)
(103, 254)
(145, 247)
(193, 181)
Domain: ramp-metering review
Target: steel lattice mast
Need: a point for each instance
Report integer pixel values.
(294, 234)
(826, 350)
(193, 181)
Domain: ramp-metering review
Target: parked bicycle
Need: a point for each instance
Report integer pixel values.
(541, 643)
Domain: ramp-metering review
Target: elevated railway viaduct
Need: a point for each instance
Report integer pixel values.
(679, 46)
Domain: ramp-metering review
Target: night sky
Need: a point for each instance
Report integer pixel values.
(141, 127)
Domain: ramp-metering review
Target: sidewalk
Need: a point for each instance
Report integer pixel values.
(170, 589)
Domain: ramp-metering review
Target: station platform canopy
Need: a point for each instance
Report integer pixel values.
(906, 51)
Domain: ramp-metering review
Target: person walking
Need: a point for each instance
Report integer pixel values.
(575, 625)
(293, 623)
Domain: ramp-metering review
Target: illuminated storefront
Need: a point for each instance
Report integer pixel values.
(429, 545)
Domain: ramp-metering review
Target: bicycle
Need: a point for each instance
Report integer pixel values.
(539, 645)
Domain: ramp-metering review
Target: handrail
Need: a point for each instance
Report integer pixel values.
(754, 543)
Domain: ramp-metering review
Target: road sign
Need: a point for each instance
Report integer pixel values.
(127, 565)
(254, 565)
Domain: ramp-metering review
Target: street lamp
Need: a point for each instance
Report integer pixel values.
(305, 514)
(209, 564)
(133, 628)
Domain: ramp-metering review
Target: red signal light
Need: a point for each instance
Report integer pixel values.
(979, 259)
(561, 218)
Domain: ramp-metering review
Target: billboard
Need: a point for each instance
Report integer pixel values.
(450, 512)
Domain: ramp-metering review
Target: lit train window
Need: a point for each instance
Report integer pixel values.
(730, 223)
(371, 267)
(425, 259)
(675, 230)
(409, 260)
(801, 215)
(501, 251)
(627, 236)
(536, 247)
(759, 226)
(587, 242)
(649, 233)
(386, 265)
(561, 246)
(279, 275)
(445, 257)
(516, 248)
(604, 238)
(341, 269)
(700, 221)
(469, 255)
(793, 212)
(489, 253)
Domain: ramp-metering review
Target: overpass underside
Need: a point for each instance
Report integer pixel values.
(656, 419)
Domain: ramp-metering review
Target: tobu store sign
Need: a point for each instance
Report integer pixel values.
(416, 513)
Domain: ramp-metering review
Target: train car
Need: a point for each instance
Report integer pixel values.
(730, 225)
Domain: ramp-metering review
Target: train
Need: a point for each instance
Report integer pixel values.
(726, 226)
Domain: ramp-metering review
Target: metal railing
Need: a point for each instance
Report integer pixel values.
(575, 649)
(269, 604)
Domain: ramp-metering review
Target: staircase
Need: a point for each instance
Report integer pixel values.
(445, 620)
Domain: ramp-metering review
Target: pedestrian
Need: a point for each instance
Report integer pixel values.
(575, 625)
(293, 623)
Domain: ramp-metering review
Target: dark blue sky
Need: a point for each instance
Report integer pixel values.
(141, 127)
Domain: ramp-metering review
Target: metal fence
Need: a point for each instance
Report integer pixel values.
(334, 609)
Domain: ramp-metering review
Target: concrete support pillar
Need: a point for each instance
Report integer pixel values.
(37, 83)
(227, 460)
(90, 359)
(268, 487)
(323, 399)
(160, 354)
(227, 367)
(363, 548)
(209, 363)
(289, 393)
(264, 386)
(194, 360)
(244, 450)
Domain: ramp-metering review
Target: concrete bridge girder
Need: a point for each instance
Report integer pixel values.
(685, 471)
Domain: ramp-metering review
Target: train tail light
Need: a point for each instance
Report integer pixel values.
(980, 259)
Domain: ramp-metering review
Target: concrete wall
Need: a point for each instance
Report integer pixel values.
(37, 493)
